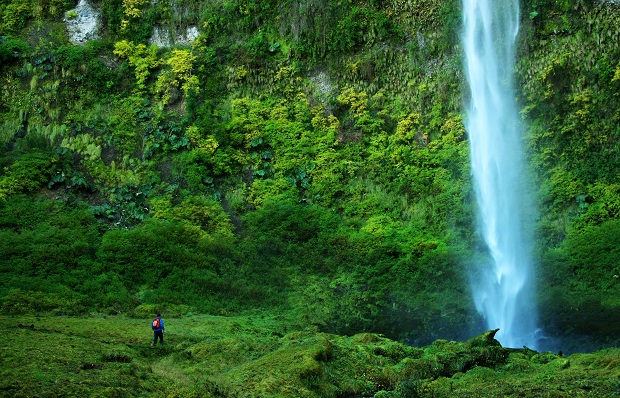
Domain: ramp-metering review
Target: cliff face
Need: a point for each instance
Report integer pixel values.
(303, 156)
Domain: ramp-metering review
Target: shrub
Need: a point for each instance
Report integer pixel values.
(592, 255)
(140, 57)
(11, 50)
(22, 302)
(26, 174)
(71, 14)
(15, 16)
(290, 221)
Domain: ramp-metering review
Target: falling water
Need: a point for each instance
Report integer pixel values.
(503, 292)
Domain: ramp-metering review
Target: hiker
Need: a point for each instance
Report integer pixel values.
(158, 330)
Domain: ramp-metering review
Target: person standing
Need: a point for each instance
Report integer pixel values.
(158, 330)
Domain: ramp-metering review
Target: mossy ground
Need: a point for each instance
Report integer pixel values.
(256, 356)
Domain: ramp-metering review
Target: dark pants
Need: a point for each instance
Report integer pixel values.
(159, 334)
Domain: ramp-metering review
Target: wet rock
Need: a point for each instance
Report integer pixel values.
(162, 37)
(82, 23)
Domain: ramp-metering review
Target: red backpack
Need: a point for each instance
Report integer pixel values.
(156, 323)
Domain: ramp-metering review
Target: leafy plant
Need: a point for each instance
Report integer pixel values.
(141, 57)
(11, 50)
(26, 174)
(14, 15)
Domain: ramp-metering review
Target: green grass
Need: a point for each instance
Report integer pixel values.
(253, 356)
(112, 356)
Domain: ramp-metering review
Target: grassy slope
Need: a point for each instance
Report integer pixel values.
(257, 356)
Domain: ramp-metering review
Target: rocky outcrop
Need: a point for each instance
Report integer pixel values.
(163, 38)
(82, 23)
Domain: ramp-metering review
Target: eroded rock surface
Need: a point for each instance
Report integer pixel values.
(163, 38)
(85, 25)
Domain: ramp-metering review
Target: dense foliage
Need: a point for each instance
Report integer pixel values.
(298, 157)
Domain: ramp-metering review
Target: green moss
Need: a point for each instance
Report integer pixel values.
(71, 14)
(244, 356)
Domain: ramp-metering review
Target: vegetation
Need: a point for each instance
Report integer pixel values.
(305, 160)
(209, 356)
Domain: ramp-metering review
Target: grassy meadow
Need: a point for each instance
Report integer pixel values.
(255, 356)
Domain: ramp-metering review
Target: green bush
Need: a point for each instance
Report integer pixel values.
(146, 254)
(20, 302)
(47, 249)
(105, 291)
(592, 255)
(26, 174)
(71, 14)
(167, 310)
(291, 222)
(11, 50)
(14, 16)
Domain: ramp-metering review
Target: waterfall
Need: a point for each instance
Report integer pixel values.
(503, 286)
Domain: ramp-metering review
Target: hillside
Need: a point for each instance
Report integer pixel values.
(303, 159)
